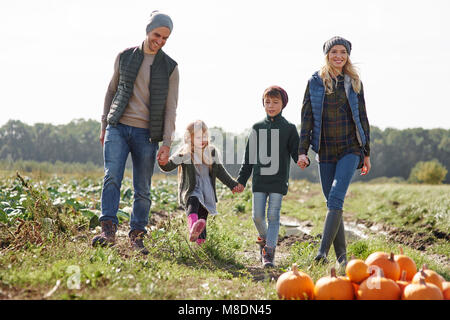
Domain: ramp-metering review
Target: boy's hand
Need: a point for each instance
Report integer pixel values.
(239, 188)
(303, 161)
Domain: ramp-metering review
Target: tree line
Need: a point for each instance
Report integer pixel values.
(394, 152)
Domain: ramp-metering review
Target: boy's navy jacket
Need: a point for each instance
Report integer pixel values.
(270, 171)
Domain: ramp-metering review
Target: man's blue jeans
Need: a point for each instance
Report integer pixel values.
(120, 140)
(270, 230)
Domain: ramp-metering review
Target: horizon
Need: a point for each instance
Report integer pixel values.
(213, 127)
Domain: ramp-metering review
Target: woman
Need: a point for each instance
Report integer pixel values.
(335, 124)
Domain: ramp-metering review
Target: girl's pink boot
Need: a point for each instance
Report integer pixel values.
(196, 226)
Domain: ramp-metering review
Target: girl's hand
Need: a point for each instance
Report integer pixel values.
(366, 167)
(303, 161)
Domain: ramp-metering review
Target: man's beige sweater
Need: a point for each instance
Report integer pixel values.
(136, 113)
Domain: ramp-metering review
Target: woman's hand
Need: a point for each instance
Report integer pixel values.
(303, 161)
(102, 136)
(366, 167)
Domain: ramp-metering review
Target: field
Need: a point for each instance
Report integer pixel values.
(47, 223)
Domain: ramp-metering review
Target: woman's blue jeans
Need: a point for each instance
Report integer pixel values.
(120, 140)
(335, 179)
(269, 230)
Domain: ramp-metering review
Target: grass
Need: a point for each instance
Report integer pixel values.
(227, 267)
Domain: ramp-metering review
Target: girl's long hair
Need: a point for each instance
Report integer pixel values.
(327, 74)
(207, 157)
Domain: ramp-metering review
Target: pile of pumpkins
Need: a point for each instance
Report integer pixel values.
(381, 276)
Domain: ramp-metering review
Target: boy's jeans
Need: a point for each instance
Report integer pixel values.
(267, 231)
(120, 140)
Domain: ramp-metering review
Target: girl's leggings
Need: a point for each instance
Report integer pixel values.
(194, 206)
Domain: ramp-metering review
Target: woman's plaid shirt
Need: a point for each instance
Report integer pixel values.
(338, 136)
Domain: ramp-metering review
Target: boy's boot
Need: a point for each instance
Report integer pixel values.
(262, 243)
(330, 229)
(268, 256)
(108, 235)
(137, 241)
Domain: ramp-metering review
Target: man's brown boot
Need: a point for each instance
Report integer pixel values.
(137, 241)
(108, 235)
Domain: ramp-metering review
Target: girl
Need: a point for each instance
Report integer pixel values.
(198, 167)
(334, 122)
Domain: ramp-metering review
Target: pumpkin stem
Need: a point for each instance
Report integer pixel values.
(422, 281)
(425, 267)
(401, 249)
(333, 272)
(294, 268)
(403, 277)
(423, 274)
(391, 257)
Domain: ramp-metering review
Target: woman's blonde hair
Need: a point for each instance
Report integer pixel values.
(327, 73)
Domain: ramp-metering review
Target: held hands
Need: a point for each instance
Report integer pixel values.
(238, 189)
(163, 155)
(303, 161)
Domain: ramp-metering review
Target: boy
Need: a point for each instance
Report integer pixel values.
(267, 153)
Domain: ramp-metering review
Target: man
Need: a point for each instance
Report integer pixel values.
(139, 112)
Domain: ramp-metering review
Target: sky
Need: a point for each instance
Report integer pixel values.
(57, 57)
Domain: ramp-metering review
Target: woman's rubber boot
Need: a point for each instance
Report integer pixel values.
(330, 229)
(340, 248)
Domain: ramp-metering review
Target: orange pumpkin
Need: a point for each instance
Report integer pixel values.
(355, 289)
(430, 276)
(375, 255)
(422, 291)
(377, 287)
(386, 262)
(406, 264)
(357, 271)
(446, 290)
(402, 283)
(295, 284)
(333, 288)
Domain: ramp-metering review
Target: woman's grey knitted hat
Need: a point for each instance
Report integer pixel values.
(335, 41)
(158, 19)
